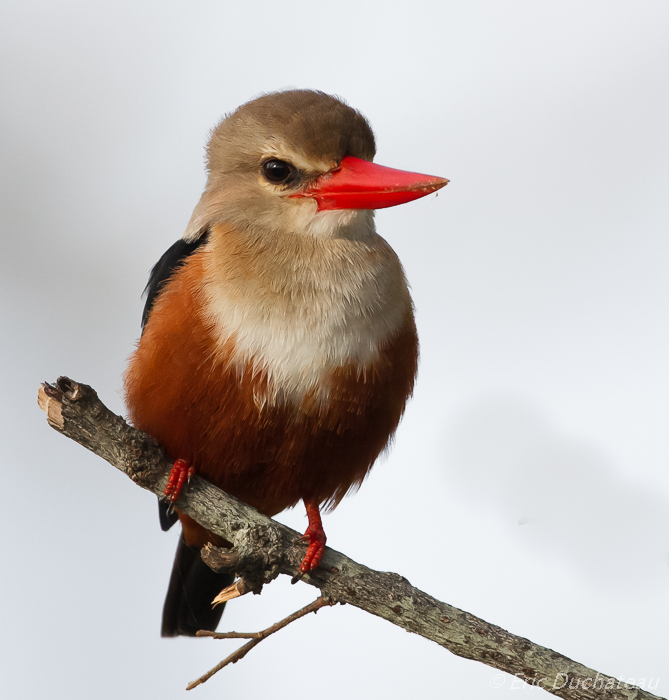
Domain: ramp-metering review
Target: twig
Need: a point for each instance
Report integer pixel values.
(263, 549)
(256, 638)
(234, 590)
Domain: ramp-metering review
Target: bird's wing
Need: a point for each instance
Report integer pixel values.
(167, 515)
(173, 258)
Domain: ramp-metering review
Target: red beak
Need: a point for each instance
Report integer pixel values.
(359, 184)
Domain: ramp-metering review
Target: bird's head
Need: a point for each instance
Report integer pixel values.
(299, 161)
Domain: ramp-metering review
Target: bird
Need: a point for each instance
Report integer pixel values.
(278, 346)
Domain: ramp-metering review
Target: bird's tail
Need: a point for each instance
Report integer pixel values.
(193, 585)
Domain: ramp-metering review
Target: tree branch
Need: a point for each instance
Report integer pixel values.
(256, 638)
(263, 549)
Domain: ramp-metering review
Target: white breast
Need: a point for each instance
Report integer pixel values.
(307, 312)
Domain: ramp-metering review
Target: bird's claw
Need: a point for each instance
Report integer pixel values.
(298, 576)
(181, 473)
(317, 539)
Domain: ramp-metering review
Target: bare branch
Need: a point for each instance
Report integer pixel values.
(256, 638)
(263, 549)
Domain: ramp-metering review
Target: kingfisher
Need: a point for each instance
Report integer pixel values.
(278, 345)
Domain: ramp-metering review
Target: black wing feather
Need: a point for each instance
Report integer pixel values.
(168, 516)
(173, 258)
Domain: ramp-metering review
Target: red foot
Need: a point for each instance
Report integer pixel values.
(316, 537)
(180, 472)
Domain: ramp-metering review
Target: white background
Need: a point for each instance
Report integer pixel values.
(528, 483)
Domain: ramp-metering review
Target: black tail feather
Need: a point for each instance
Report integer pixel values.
(193, 585)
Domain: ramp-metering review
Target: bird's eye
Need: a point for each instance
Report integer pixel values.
(278, 172)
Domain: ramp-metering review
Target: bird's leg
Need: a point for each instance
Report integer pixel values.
(177, 478)
(316, 537)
